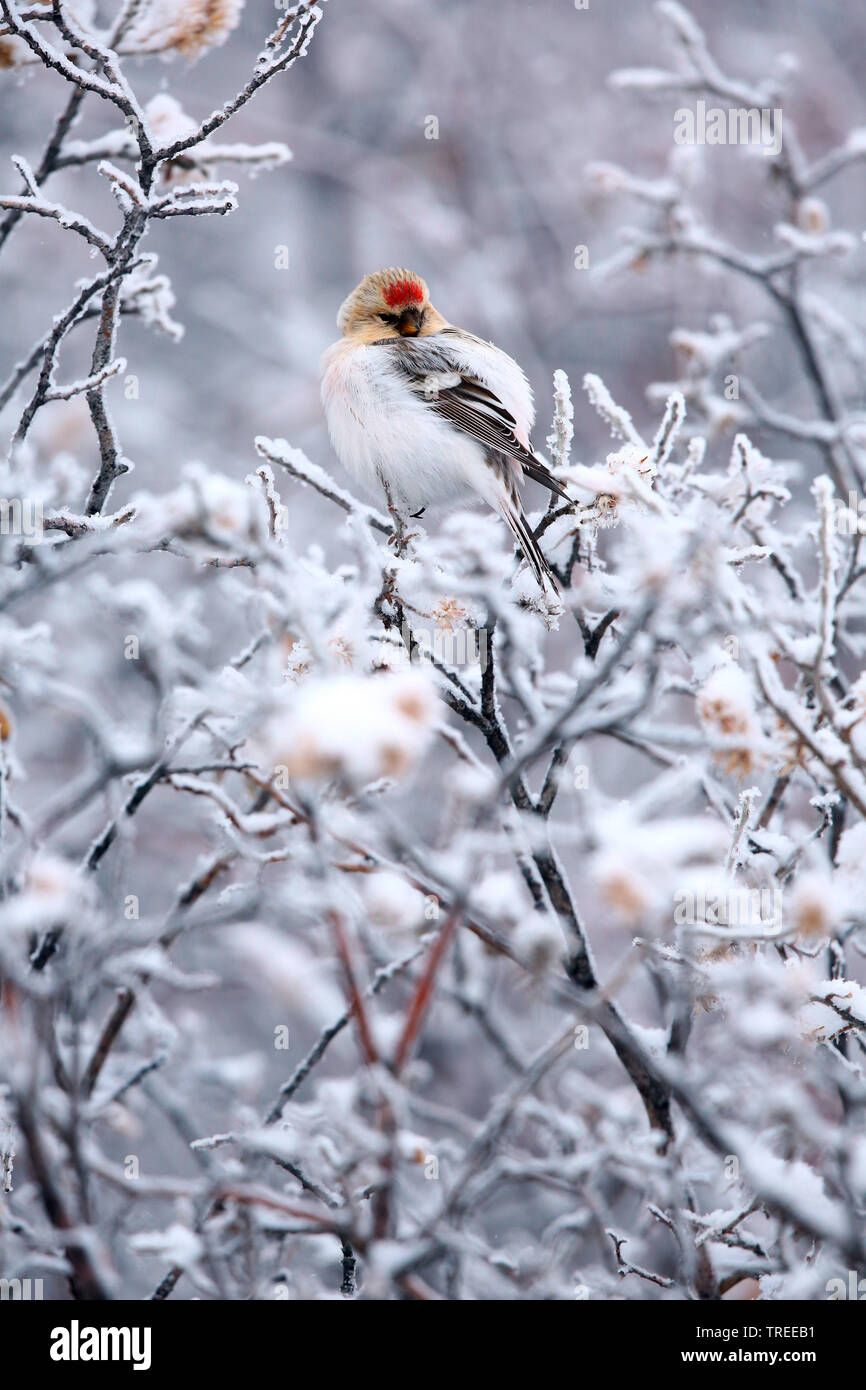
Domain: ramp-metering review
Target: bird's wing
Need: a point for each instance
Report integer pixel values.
(436, 371)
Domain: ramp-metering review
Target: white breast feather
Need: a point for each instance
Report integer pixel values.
(381, 428)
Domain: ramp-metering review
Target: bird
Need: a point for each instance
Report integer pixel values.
(428, 411)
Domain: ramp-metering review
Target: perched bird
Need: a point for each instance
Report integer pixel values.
(428, 411)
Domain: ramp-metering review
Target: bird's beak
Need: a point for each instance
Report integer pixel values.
(409, 324)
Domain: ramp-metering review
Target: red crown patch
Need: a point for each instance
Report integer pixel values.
(402, 292)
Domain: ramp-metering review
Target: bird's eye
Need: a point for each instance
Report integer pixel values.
(387, 318)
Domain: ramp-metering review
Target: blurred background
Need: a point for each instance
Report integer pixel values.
(489, 212)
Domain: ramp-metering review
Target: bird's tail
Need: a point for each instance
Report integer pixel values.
(515, 519)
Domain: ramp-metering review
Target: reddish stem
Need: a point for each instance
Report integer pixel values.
(356, 1002)
(423, 994)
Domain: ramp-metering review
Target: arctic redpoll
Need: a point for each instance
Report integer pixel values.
(428, 411)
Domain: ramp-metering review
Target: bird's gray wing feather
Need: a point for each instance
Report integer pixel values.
(434, 371)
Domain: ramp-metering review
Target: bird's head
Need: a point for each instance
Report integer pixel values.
(390, 303)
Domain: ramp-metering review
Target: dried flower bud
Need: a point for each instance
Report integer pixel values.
(189, 27)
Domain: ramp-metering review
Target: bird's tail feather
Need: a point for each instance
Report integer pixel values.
(536, 468)
(519, 526)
